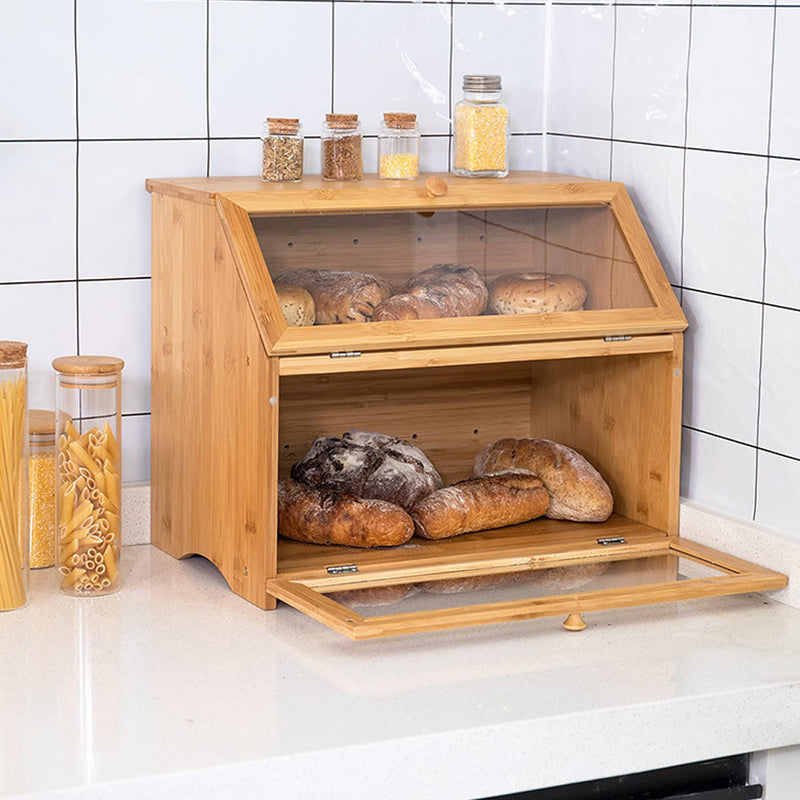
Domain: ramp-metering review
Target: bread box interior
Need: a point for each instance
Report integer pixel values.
(253, 393)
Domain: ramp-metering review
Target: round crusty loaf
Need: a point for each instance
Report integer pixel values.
(374, 595)
(577, 490)
(370, 465)
(535, 292)
(297, 305)
(311, 515)
(443, 290)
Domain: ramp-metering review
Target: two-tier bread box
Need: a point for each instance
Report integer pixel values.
(238, 396)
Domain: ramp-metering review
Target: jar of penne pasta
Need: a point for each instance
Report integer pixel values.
(88, 468)
(13, 475)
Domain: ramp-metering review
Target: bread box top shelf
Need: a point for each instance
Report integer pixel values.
(560, 230)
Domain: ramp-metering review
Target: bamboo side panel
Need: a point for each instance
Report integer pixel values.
(213, 442)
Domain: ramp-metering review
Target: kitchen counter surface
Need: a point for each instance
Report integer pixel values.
(175, 687)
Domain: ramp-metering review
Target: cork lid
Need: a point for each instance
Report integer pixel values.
(283, 124)
(400, 120)
(88, 365)
(342, 121)
(13, 354)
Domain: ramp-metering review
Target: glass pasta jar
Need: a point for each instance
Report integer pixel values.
(481, 129)
(341, 148)
(13, 475)
(42, 483)
(88, 461)
(398, 147)
(282, 150)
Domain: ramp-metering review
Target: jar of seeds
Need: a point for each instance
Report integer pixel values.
(481, 129)
(281, 150)
(398, 147)
(341, 148)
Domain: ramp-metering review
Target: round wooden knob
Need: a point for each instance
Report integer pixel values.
(435, 187)
(574, 622)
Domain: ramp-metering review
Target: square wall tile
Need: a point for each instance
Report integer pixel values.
(393, 57)
(37, 60)
(44, 316)
(652, 50)
(114, 206)
(783, 234)
(723, 344)
(575, 155)
(256, 70)
(115, 321)
(785, 139)
(136, 448)
(728, 90)
(654, 178)
(776, 504)
(525, 152)
(37, 211)
(724, 223)
(141, 68)
(718, 473)
(243, 157)
(433, 154)
(780, 382)
(578, 98)
(503, 40)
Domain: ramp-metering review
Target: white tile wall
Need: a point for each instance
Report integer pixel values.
(693, 106)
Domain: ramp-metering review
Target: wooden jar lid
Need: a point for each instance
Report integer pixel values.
(41, 422)
(88, 365)
(13, 354)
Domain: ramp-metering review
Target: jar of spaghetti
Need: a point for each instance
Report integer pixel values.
(42, 486)
(281, 150)
(88, 468)
(481, 129)
(341, 148)
(13, 475)
(398, 147)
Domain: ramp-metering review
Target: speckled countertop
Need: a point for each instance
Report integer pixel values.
(177, 688)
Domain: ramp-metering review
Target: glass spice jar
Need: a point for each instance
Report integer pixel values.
(398, 147)
(282, 150)
(14, 524)
(341, 148)
(88, 463)
(42, 482)
(481, 129)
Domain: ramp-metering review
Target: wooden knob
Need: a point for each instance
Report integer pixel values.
(435, 187)
(574, 622)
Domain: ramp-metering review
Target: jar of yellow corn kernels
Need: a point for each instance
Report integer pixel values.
(481, 129)
(42, 486)
(398, 147)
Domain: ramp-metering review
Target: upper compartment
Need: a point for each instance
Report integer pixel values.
(559, 257)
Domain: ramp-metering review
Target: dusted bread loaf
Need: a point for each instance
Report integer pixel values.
(311, 515)
(443, 290)
(297, 305)
(479, 504)
(577, 490)
(339, 296)
(370, 465)
(535, 292)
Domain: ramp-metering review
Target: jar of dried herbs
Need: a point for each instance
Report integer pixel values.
(398, 147)
(341, 148)
(481, 129)
(282, 150)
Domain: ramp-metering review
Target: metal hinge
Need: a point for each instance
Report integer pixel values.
(346, 354)
(612, 540)
(616, 338)
(343, 569)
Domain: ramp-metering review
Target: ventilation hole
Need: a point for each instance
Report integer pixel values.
(355, 241)
(419, 240)
(475, 431)
(290, 244)
(286, 447)
(413, 435)
(481, 238)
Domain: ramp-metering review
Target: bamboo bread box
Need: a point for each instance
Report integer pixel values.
(238, 396)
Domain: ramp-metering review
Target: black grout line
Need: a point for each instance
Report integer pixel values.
(685, 142)
(757, 448)
(739, 299)
(613, 88)
(208, 91)
(333, 51)
(450, 88)
(77, 182)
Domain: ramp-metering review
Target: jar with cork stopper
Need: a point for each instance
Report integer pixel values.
(398, 147)
(341, 148)
(42, 479)
(481, 129)
(282, 150)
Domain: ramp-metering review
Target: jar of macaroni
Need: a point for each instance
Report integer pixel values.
(481, 129)
(282, 150)
(88, 468)
(398, 147)
(42, 486)
(341, 148)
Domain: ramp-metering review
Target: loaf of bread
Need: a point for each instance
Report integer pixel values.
(374, 595)
(474, 583)
(478, 504)
(297, 305)
(443, 290)
(306, 514)
(339, 296)
(535, 292)
(577, 490)
(370, 465)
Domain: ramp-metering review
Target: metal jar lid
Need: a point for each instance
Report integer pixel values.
(482, 83)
